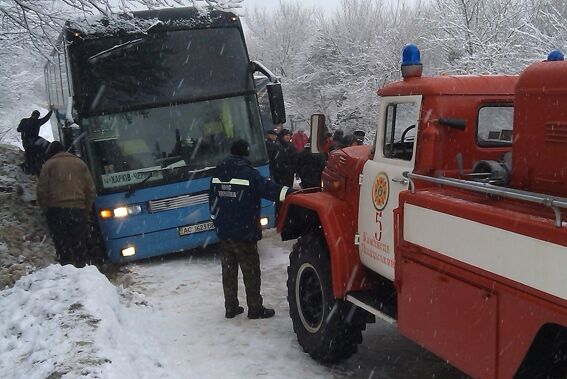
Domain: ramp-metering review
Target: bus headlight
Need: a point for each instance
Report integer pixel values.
(129, 251)
(120, 212)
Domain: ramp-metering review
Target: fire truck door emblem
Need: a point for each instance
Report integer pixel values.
(380, 191)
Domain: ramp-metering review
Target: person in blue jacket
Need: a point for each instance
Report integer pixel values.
(235, 193)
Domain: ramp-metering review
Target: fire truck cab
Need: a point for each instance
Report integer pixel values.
(450, 226)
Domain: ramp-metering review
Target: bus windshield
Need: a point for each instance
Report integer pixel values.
(117, 73)
(169, 144)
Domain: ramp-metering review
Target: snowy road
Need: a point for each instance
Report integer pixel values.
(193, 339)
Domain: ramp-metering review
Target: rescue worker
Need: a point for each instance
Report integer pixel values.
(65, 192)
(359, 136)
(337, 139)
(285, 159)
(235, 193)
(32, 142)
(310, 167)
(271, 148)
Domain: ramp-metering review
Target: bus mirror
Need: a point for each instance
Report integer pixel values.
(318, 131)
(275, 96)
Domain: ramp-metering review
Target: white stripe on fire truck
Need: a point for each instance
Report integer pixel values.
(527, 260)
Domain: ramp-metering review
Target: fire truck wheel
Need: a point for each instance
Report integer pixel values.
(328, 329)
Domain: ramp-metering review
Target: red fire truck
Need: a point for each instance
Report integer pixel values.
(450, 226)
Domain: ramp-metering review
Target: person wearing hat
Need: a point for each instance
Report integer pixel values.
(310, 167)
(271, 148)
(284, 159)
(34, 149)
(359, 136)
(66, 192)
(337, 139)
(235, 193)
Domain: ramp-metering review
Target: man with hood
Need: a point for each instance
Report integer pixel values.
(66, 192)
(235, 192)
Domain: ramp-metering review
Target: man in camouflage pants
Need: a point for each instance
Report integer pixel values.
(245, 255)
(235, 193)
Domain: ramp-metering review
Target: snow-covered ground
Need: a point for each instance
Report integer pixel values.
(166, 320)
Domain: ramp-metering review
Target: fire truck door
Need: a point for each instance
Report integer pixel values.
(382, 181)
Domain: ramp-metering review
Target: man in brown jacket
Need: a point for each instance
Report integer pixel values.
(65, 192)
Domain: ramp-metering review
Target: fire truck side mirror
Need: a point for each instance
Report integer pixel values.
(318, 132)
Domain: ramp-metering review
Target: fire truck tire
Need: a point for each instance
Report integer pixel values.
(328, 329)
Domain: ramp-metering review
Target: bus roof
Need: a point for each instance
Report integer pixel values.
(452, 85)
(141, 21)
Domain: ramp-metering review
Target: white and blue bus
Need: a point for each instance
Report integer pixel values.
(156, 98)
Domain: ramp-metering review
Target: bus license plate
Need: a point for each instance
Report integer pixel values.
(197, 228)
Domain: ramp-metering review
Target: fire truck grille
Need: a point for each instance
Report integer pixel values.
(162, 205)
(556, 133)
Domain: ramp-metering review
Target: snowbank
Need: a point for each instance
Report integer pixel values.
(68, 322)
(25, 244)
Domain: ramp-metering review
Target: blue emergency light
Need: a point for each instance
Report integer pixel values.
(555, 56)
(411, 61)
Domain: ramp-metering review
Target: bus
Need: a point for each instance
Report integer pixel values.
(152, 101)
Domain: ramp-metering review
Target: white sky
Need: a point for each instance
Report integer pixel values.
(327, 5)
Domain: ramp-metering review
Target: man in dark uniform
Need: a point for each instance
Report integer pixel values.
(29, 131)
(359, 136)
(285, 159)
(310, 167)
(271, 138)
(234, 199)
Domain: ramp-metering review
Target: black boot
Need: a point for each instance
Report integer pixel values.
(263, 313)
(231, 313)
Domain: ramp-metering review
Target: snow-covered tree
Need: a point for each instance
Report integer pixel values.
(352, 54)
(548, 28)
(277, 37)
(478, 36)
(29, 28)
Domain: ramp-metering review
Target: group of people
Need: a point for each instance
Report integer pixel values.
(291, 155)
(65, 191)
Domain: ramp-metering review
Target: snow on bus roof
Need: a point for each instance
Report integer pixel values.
(142, 21)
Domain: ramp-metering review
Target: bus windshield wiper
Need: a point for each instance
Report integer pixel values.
(132, 187)
(113, 49)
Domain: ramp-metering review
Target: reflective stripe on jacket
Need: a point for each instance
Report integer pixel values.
(235, 193)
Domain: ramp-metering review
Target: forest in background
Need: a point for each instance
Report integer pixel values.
(329, 63)
(334, 63)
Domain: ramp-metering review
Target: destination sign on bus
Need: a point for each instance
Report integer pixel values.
(123, 178)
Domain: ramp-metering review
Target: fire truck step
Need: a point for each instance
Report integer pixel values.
(370, 303)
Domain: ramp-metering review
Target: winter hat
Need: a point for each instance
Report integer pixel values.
(54, 148)
(338, 135)
(284, 132)
(359, 135)
(240, 148)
